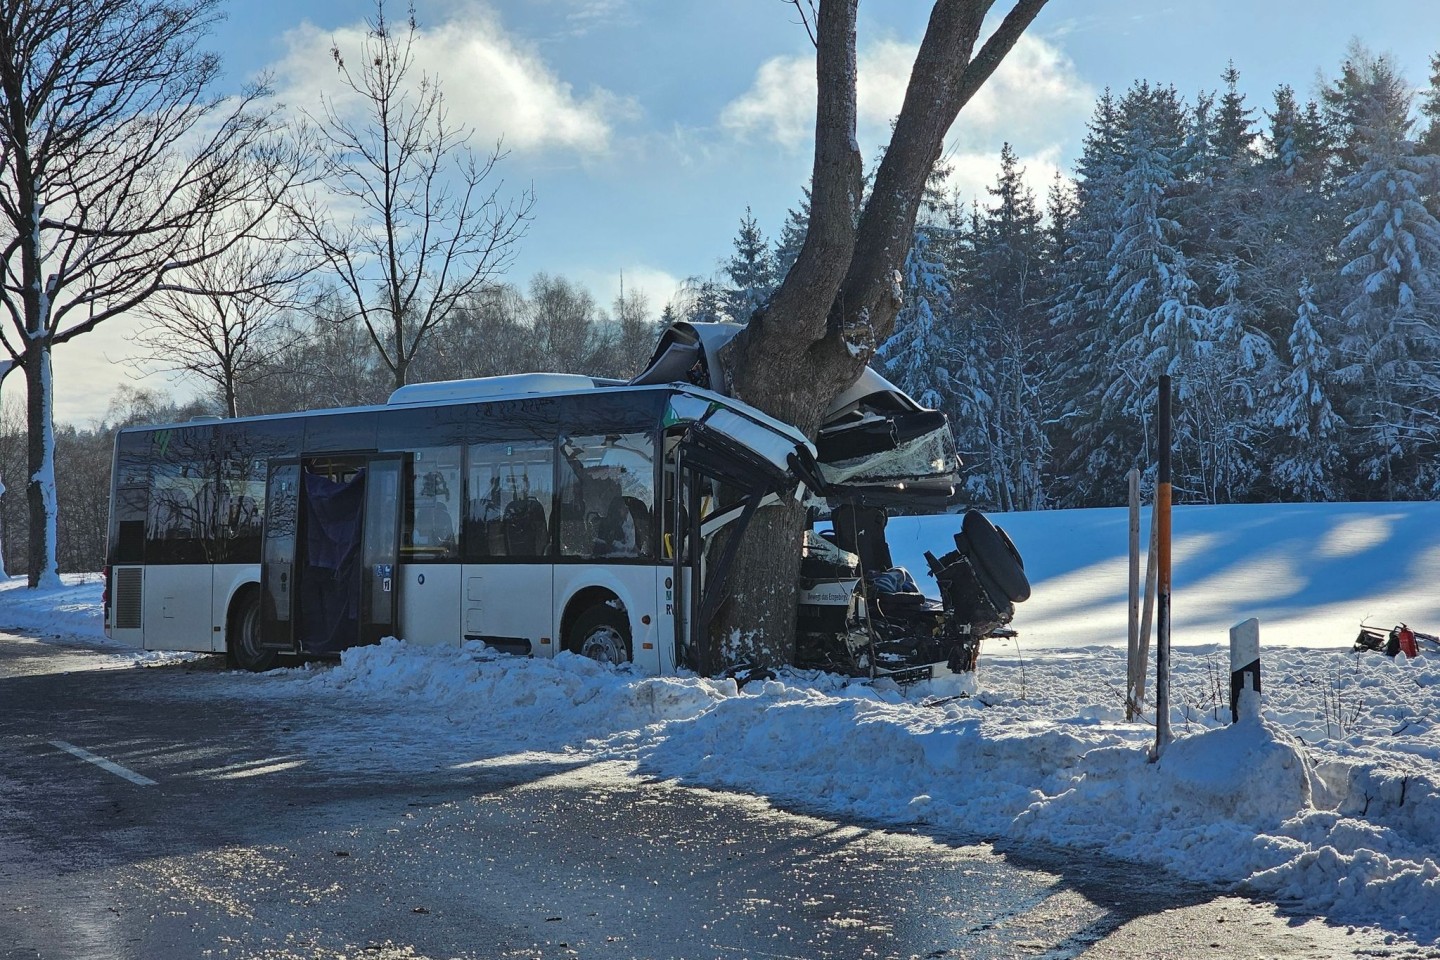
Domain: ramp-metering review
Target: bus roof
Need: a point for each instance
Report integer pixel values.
(448, 393)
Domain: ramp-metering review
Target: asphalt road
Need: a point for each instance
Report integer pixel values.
(211, 835)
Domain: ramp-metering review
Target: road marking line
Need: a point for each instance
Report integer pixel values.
(104, 764)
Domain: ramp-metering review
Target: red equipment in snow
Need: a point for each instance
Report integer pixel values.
(1398, 639)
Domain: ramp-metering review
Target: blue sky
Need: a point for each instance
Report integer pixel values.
(647, 126)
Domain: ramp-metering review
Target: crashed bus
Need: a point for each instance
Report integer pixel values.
(542, 512)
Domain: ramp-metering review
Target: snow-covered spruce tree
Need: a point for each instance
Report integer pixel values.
(1078, 313)
(792, 237)
(1219, 167)
(750, 270)
(969, 368)
(119, 171)
(1234, 136)
(1151, 319)
(1286, 222)
(839, 300)
(915, 357)
(1222, 390)
(1306, 451)
(1390, 341)
(1367, 88)
(1006, 299)
(1430, 107)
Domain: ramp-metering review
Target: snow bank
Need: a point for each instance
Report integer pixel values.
(70, 610)
(1311, 804)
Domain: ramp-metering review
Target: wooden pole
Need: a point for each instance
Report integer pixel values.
(1163, 735)
(1135, 667)
(1147, 611)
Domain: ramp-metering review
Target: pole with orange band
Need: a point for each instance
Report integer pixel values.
(1163, 735)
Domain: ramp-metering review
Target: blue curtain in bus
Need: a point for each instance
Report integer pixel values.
(330, 584)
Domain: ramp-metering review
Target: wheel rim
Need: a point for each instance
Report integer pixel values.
(250, 631)
(605, 644)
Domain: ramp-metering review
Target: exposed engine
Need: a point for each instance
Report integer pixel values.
(861, 615)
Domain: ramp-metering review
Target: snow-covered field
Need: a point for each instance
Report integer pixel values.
(1331, 803)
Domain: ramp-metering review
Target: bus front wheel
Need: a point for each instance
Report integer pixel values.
(243, 637)
(602, 633)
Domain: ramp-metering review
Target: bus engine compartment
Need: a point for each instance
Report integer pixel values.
(861, 615)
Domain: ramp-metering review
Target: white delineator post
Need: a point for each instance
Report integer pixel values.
(1245, 671)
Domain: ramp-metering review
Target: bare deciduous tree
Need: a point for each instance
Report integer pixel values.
(426, 231)
(118, 171)
(841, 297)
(229, 321)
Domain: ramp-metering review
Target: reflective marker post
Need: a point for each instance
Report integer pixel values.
(1163, 736)
(1245, 666)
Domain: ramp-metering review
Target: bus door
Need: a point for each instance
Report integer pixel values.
(693, 514)
(278, 587)
(681, 504)
(380, 550)
(725, 476)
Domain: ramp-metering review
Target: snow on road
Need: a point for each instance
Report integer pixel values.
(1330, 803)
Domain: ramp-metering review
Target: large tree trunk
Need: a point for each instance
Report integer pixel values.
(40, 488)
(841, 296)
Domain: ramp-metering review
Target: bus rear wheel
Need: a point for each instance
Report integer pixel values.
(242, 640)
(601, 633)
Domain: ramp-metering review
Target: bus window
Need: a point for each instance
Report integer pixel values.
(509, 500)
(432, 504)
(607, 496)
(246, 448)
(131, 502)
(183, 498)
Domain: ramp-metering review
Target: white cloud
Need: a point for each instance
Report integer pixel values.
(972, 172)
(1035, 99)
(492, 82)
(1034, 94)
(658, 286)
(779, 106)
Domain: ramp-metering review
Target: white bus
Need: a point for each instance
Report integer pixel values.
(536, 513)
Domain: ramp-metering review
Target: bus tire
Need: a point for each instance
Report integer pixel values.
(992, 549)
(601, 633)
(242, 638)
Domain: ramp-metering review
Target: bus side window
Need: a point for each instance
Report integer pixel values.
(509, 498)
(132, 499)
(607, 496)
(179, 522)
(431, 498)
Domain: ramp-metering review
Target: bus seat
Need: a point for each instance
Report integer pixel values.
(433, 526)
(640, 515)
(525, 531)
(617, 533)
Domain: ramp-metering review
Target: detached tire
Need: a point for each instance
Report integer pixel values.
(242, 637)
(992, 550)
(601, 633)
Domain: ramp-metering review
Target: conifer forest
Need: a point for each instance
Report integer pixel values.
(1281, 263)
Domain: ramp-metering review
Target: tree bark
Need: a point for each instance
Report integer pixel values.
(840, 298)
(44, 570)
